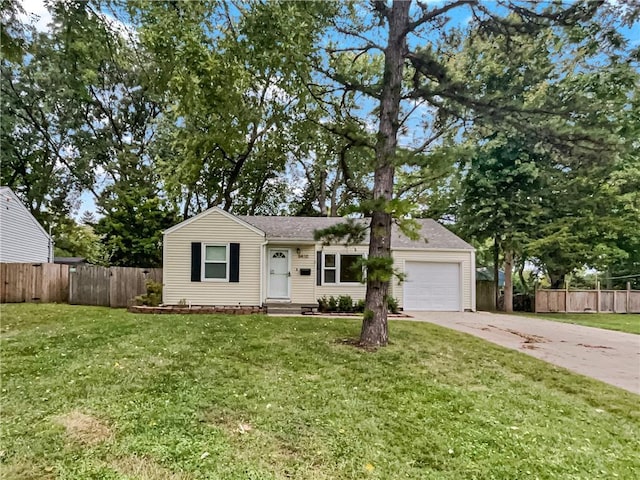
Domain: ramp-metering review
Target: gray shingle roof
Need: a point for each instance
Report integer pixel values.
(432, 234)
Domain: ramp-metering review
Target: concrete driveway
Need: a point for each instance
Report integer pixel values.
(613, 357)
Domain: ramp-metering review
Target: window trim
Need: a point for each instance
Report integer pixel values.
(226, 262)
(334, 268)
(337, 268)
(361, 255)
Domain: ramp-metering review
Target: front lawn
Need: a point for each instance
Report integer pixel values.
(95, 393)
(622, 322)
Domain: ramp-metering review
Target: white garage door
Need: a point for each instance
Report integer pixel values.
(432, 286)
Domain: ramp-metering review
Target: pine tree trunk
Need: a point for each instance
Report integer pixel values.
(374, 325)
(508, 281)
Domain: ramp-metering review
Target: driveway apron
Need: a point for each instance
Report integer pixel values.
(610, 356)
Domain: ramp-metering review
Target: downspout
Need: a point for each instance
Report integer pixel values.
(164, 263)
(316, 247)
(473, 280)
(262, 259)
(50, 252)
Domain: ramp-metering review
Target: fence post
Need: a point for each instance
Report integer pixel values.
(598, 299)
(628, 295)
(566, 297)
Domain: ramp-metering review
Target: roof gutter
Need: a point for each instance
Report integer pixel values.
(286, 241)
(433, 249)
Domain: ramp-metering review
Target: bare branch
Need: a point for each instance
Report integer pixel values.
(358, 49)
(429, 15)
(353, 33)
(381, 7)
(348, 85)
(354, 140)
(579, 11)
(428, 142)
(230, 23)
(422, 179)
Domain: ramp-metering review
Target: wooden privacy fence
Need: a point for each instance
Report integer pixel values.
(580, 301)
(125, 280)
(77, 285)
(89, 285)
(34, 282)
(485, 295)
(109, 286)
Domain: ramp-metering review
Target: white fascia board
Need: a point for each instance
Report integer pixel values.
(208, 212)
(409, 249)
(289, 241)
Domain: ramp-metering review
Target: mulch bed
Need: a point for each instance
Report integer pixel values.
(236, 310)
(229, 310)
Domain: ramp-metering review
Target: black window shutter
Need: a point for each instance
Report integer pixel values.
(196, 261)
(318, 268)
(234, 262)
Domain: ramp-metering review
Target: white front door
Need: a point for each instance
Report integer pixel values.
(279, 273)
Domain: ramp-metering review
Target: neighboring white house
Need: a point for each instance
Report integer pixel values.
(22, 238)
(216, 258)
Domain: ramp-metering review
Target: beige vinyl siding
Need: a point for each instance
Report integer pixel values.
(463, 257)
(302, 287)
(217, 229)
(356, 291)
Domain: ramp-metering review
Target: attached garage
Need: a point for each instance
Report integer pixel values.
(432, 286)
(438, 271)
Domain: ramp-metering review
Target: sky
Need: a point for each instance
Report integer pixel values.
(38, 15)
(36, 12)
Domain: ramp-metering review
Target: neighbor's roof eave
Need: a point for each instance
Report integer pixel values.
(6, 190)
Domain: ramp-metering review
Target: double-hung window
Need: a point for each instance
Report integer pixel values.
(215, 262)
(342, 268)
(330, 268)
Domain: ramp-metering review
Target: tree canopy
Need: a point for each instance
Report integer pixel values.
(515, 122)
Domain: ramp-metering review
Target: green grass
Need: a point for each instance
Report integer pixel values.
(173, 391)
(629, 323)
